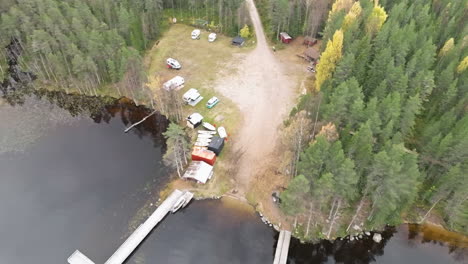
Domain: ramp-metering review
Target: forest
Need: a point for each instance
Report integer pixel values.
(297, 17)
(96, 47)
(382, 135)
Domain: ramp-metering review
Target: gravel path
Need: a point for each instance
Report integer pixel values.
(264, 94)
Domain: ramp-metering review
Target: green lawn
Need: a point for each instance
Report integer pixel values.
(201, 62)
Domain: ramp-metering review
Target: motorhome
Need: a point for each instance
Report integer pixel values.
(192, 97)
(175, 83)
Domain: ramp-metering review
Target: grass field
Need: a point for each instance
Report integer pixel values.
(201, 62)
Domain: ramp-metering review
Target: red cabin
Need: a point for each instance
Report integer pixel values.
(205, 155)
(285, 38)
(309, 41)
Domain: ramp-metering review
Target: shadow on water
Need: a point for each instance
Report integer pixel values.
(403, 244)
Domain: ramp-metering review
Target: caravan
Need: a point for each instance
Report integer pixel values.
(175, 83)
(192, 97)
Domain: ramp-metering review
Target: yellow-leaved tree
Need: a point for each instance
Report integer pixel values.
(447, 47)
(353, 13)
(376, 20)
(245, 32)
(329, 59)
(463, 65)
(340, 4)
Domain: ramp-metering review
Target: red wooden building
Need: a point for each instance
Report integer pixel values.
(309, 41)
(285, 38)
(205, 155)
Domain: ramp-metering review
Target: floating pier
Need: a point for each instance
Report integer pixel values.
(177, 199)
(282, 248)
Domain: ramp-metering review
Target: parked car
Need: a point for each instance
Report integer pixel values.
(173, 64)
(212, 37)
(212, 102)
(196, 34)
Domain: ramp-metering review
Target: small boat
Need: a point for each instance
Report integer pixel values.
(199, 148)
(209, 126)
(203, 141)
(188, 197)
(222, 132)
(205, 136)
(182, 202)
(201, 144)
(206, 132)
(178, 204)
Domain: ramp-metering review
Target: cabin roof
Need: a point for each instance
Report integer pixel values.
(199, 171)
(312, 53)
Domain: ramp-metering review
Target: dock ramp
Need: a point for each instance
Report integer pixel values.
(282, 248)
(176, 200)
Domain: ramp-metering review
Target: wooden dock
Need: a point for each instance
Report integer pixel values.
(282, 248)
(134, 240)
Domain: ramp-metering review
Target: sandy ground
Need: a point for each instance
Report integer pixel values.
(264, 92)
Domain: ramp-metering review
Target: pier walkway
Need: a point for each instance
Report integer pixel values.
(282, 248)
(172, 203)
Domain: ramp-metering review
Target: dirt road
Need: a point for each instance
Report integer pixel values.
(264, 93)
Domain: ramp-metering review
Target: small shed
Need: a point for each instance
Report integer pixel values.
(216, 145)
(175, 83)
(205, 155)
(311, 54)
(238, 41)
(194, 120)
(199, 171)
(285, 37)
(309, 41)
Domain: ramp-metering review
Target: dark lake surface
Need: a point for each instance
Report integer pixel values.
(78, 182)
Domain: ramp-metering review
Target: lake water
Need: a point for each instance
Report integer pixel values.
(78, 182)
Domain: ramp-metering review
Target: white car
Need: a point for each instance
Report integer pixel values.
(212, 37)
(173, 64)
(196, 34)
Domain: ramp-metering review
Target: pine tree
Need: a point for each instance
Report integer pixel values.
(410, 111)
(360, 150)
(178, 148)
(292, 198)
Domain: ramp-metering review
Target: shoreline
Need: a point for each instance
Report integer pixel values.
(436, 231)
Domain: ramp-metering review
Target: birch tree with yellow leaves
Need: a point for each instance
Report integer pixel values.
(329, 59)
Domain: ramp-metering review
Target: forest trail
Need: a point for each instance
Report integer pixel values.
(264, 93)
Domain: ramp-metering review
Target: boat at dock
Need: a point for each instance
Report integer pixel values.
(182, 202)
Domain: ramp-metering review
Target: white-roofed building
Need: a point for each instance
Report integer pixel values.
(199, 171)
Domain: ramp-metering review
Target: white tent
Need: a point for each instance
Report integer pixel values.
(199, 171)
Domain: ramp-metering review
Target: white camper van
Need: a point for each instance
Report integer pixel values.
(175, 83)
(192, 97)
(196, 34)
(212, 37)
